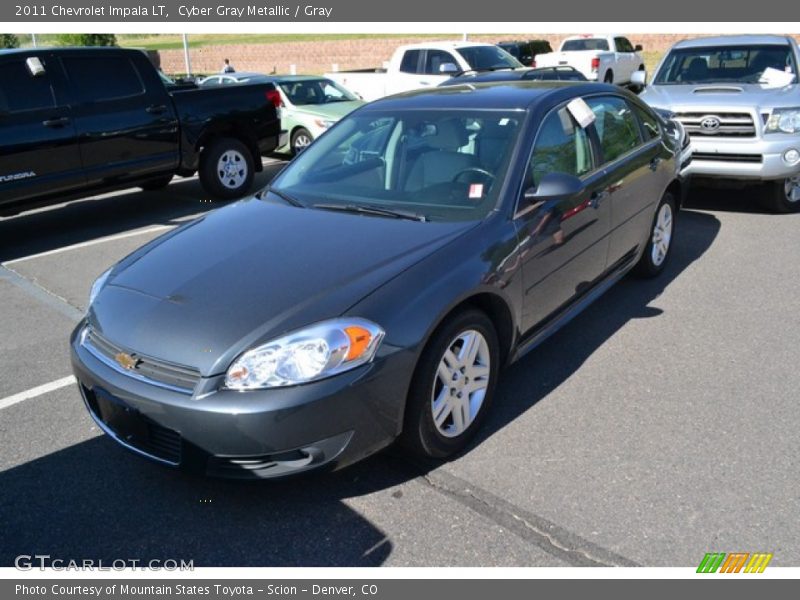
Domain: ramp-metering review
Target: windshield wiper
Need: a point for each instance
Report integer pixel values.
(283, 196)
(367, 209)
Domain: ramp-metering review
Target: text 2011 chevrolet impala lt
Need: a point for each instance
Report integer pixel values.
(375, 289)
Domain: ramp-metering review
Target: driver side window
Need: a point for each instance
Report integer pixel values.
(562, 146)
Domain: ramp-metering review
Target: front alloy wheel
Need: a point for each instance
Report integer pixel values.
(453, 386)
(782, 196)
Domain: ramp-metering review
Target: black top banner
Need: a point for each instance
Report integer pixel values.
(177, 11)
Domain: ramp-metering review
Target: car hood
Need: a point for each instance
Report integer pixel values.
(720, 96)
(241, 275)
(332, 111)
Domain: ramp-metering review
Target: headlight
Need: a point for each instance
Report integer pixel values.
(98, 285)
(785, 120)
(313, 353)
(324, 123)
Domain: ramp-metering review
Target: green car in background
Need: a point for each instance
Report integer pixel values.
(310, 104)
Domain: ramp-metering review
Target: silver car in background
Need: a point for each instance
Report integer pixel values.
(738, 99)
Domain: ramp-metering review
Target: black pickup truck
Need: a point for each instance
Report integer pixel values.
(78, 121)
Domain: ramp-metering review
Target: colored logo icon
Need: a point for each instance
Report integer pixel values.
(735, 562)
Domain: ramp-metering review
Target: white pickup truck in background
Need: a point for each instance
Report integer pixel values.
(607, 58)
(424, 65)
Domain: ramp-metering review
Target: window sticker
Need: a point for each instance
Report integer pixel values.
(475, 191)
(581, 112)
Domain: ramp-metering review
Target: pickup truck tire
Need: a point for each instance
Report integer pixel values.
(156, 184)
(659, 243)
(226, 168)
(782, 196)
(609, 78)
(300, 139)
(453, 386)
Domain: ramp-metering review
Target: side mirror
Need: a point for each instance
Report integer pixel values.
(554, 186)
(639, 79)
(448, 68)
(637, 48)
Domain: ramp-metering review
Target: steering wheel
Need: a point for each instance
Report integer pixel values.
(478, 170)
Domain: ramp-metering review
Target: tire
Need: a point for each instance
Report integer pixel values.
(659, 240)
(301, 138)
(156, 184)
(226, 168)
(609, 78)
(782, 196)
(421, 435)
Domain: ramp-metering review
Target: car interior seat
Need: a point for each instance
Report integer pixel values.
(441, 162)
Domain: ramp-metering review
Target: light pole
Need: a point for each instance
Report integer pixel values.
(186, 58)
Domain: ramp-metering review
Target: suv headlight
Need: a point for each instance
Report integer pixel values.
(309, 354)
(324, 123)
(785, 120)
(98, 285)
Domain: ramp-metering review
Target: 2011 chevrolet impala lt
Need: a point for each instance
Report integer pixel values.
(374, 291)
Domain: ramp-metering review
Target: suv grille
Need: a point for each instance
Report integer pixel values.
(152, 370)
(729, 124)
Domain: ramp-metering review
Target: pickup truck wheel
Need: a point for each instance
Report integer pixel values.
(609, 78)
(301, 138)
(453, 386)
(659, 242)
(156, 184)
(782, 196)
(226, 168)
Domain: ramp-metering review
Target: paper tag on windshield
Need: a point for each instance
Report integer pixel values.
(475, 191)
(774, 78)
(581, 112)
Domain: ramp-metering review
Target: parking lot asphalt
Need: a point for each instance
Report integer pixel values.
(659, 425)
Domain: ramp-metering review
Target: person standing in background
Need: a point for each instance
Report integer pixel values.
(228, 67)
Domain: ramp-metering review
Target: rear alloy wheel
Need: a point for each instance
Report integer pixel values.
(226, 168)
(659, 243)
(609, 78)
(782, 196)
(453, 387)
(301, 139)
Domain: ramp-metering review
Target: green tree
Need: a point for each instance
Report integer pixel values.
(86, 39)
(9, 40)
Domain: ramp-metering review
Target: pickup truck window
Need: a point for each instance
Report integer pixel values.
(410, 62)
(616, 126)
(100, 79)
(725, 64)
(623, 45)
(434, 60)
(585, 44)
(21, 91)
(561, 147)
(485, 58)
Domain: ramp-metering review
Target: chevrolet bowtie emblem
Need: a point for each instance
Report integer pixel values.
(125, 360)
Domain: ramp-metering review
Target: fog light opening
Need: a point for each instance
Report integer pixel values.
(791, 157)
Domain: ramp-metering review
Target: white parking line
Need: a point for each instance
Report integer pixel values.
(37, 391)
(101, 240)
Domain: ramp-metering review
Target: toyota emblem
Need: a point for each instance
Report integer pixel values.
(709, 125)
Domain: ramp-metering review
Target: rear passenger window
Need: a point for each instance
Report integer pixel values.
(616, 126)
(562, 146)
(20, 91)
(649, 124)
(103, 78)
(410, 62)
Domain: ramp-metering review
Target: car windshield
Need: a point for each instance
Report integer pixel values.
(725, 64)
(487, 58)
(315, 91)
(585, 44)
(443, 165)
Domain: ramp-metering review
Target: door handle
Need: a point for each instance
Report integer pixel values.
(156, 109)
(56, 123)
(654, 163)
(597, 197)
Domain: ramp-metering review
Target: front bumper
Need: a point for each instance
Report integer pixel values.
(255, 434)
(744, 159)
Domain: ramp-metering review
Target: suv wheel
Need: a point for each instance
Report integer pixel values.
(226, 168)
(300, 140)
(782, 196)
(453, 387)
(659, 243)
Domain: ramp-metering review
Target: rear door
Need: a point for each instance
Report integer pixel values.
(38, 143)
(631, 156)
(626, 58)
(564, 244)
(124, 117)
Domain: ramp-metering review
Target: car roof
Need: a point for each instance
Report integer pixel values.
(506, 95)
(445, 45)
(726, 40)
(67, 50)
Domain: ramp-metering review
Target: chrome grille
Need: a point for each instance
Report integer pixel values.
(730, 124)
(152, 370)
